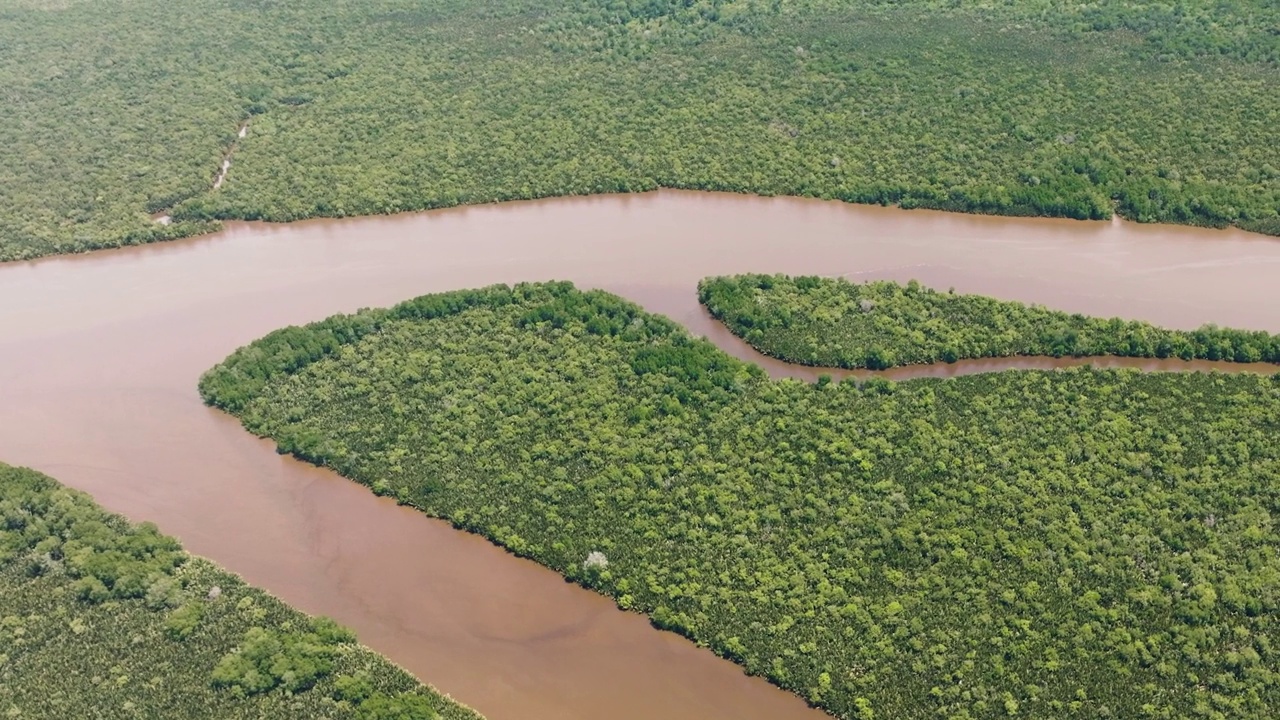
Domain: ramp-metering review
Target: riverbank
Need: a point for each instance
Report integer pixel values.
(386, 109)
(96, 611)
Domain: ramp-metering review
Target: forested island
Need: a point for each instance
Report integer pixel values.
(117, 111)
(103, 619)
(832, 322)
(1066, 544)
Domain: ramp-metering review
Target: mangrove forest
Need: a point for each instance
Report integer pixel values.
(117, 111)
(1080, 543)
(832, 322)
(100, 618)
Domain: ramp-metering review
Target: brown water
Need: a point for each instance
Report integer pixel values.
(720, 335)
(99, 356)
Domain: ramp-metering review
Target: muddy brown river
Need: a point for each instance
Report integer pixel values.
(99, 356)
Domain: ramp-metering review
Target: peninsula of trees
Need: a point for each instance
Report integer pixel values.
(1066, 544)
(103, 619)
(832, 322)
(1159, 111)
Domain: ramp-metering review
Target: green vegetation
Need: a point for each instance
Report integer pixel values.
(831, 322)
(1051, 545)
(103, 619)
(115, 109)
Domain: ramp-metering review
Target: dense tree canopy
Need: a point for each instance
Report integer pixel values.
(114, 110)
(832, 322)
(1069, 544)
(103, 619)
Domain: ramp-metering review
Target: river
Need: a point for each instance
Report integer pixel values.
(99, 356)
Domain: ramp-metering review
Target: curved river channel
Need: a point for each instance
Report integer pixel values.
(99, 356)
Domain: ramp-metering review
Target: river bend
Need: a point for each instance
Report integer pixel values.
(99, 357)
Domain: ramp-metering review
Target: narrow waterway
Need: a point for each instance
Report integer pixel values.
(223, 169)
(99, 357)
(715, 331)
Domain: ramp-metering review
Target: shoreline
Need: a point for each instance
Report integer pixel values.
(221, 226)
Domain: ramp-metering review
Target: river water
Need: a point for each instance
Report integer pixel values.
(99, 357)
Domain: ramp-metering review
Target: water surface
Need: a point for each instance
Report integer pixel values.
(99, 357)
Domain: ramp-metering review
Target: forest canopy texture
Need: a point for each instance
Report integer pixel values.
(117, 109)
(1069, 544)
(832, 322)
(103, 619)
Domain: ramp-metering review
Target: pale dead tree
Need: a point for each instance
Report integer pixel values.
(595, 561)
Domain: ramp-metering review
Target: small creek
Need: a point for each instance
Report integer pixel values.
(226, 159)
(99, 357)
(163, 218)
(715, 331)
